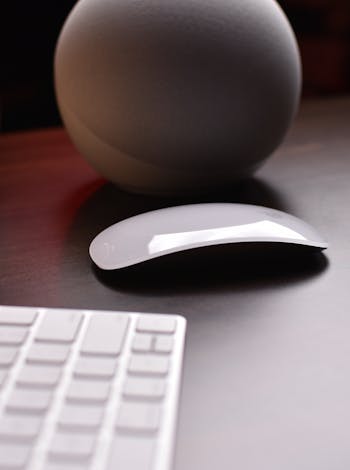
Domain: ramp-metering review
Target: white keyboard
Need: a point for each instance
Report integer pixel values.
(88, 390)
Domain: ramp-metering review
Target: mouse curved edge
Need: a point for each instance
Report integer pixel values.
(312, 245)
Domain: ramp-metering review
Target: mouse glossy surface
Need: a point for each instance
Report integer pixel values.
(173, 229)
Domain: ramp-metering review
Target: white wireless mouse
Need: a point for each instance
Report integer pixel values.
(174, 229)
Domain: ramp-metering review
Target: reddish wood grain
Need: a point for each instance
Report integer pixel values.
(43, 183)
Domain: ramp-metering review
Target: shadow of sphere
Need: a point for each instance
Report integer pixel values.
(109, 205)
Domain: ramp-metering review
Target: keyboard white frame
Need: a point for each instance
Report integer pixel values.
(165, 440)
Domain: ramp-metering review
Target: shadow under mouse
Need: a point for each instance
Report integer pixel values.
(237, 266)
(225, 267)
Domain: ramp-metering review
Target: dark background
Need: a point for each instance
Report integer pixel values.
(29, 31)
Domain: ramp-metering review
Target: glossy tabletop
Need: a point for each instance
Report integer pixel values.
(266, 381)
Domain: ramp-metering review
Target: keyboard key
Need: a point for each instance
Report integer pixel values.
(7, 356)
(105, 334)
(3, 375)
(131, 453)
(39, 376)
(156, 324)
(95, 367)
(12, 335)
(138, 417)
(142, 343)
(71, 446)
(64, 466)
(29, 401)
(59, 326)
(142, 387)
(47, 353)
(80, 417)
(86, 391)
(18, 428)
(17, 316)
(13, 457)
(164, 344)
(152, 365)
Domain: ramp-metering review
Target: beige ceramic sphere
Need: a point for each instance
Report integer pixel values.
(177, 96)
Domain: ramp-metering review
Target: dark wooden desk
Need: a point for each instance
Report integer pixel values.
(266, 383)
